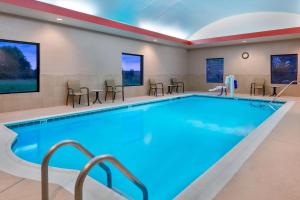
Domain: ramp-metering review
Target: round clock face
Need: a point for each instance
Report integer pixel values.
(245, 55)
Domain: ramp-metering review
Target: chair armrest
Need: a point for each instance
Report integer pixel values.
(160, 84)
(70, 91)
(152, 85)
(109, 88)
(85, 88)
(118, 86)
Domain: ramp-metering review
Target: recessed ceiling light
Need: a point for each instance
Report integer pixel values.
(59, 19)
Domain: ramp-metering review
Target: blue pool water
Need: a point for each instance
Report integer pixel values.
(166, 144)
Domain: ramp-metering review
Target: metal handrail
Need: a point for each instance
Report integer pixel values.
(283, 90)
(280, 93)
(45, 163)
(99, 159)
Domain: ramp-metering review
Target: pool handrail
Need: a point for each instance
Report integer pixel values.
(45, 163)
(99, 159)
(280, 93)
(283, 90)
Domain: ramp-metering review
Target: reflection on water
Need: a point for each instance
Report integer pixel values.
(240, 130)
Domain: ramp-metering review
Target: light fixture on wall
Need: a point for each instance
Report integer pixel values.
(245, 55)
(244, 41)
(154, 40)
(59, 19)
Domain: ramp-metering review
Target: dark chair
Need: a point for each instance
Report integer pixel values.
(155, 86)
(111, 87)
(74, 89)
(178, 84)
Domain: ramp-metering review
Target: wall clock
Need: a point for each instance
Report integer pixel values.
(245, 55)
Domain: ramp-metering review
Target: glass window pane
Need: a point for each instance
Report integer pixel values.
(132, 69)
(19, 67)
(214, 70)
(284, 68)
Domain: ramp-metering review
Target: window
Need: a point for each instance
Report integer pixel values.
(284, 68)
(19, 67)
(214, 70)
(132, 69)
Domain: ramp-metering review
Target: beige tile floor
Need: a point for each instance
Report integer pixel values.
(16, 188)
(40, 112)
(272, 172)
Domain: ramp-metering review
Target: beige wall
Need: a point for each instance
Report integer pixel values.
(245, 70)
(69, 53)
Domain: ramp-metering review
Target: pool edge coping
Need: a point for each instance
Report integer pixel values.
(124, 105)
(66, 177)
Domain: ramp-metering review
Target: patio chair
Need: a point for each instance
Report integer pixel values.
(74, 89)
(178, 84)
(111, 87)
(258, 84)
(155, 86)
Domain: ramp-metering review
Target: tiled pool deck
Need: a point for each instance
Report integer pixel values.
(272, 172)
(15, 188)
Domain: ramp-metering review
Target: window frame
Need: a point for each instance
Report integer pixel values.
(141, 67)
(38, 64)
(271, 59)
(207, 68)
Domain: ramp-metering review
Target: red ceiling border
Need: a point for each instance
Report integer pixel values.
(40, 6)
(277, 32)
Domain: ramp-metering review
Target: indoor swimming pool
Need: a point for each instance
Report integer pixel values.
(165, 144)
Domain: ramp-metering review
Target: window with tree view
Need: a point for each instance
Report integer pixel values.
(214, 70)
(132, 69)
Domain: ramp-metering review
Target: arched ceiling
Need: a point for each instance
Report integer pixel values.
(185, 23)
(193, 19)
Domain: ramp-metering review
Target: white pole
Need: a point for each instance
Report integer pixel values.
(231, 85)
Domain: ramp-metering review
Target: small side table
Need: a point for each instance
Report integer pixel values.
(274, 90)
(97, 92)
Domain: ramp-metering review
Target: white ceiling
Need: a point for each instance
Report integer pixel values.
(193, 19)
(223, 26)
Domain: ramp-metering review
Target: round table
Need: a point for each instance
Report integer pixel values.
(97, 95)
(274, 90)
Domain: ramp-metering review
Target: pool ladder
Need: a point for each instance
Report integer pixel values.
(94, 160)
